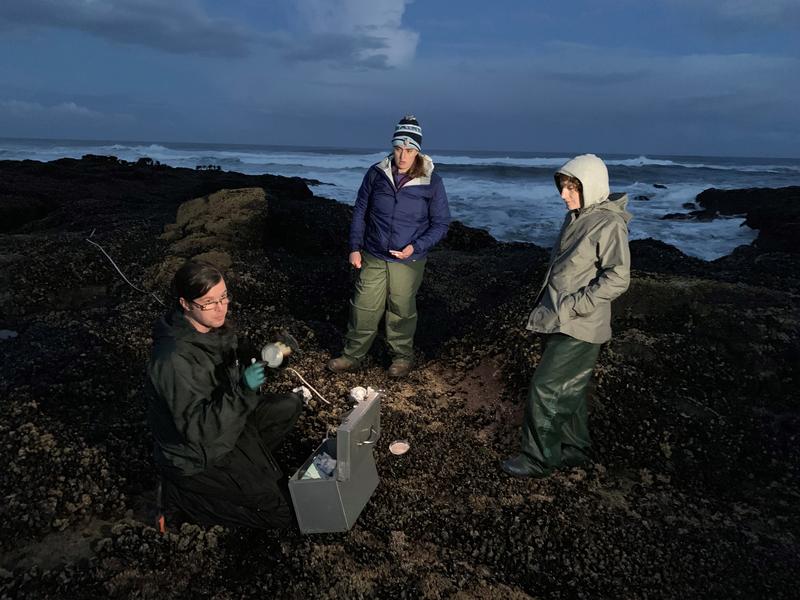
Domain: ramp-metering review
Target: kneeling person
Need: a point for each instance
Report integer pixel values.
(214, 432)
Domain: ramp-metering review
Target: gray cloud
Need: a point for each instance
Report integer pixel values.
(65, 118)
(176, 26)
(25, 108)
(345, 33)
(360, 33)
(704, 103)
(595, 78)
(333, 48)
(760, 13)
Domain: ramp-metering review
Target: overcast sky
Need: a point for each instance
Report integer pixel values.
(632, 76)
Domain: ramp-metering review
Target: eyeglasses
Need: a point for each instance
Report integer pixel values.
(224, 301)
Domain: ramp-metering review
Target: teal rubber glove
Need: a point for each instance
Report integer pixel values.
(253, 376)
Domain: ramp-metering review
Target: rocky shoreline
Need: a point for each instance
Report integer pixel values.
(695, 488)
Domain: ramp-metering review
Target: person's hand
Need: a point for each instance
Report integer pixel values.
(404, 253)
(254, 376)
(355, 259)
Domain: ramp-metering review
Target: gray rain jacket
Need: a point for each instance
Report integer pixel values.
(590, 263)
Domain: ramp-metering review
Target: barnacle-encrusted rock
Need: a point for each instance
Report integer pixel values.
(694, 412)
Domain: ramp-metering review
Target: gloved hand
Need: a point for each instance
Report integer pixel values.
(253, 376)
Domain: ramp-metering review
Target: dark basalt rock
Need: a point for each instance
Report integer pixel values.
(703, 215)
(462, 237)
(774, 212)
(678, 217)
(695, 215)
(659, 257)
(16, 212)
(309, 226)
(694, 411)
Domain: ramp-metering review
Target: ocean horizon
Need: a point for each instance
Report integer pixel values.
(510, 194)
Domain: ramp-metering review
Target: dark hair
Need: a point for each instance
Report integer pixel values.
(418, 168)
(563, 179)
(194, 279)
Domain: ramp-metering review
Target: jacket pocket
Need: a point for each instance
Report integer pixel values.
(545, 316)
(565, 308)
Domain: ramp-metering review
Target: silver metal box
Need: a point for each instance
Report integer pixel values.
(333, 504)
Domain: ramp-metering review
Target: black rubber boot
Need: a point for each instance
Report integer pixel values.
(521, 466)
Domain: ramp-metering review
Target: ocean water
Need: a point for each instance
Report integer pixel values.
(510, 194)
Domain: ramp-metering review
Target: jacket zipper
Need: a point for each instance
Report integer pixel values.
(561, 237)
(394, 211)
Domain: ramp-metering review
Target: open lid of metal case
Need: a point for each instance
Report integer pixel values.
(357, 434)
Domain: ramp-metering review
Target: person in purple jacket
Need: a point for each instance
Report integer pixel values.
(400, 213)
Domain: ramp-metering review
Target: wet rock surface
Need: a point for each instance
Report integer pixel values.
(774, 212)
(694, 487)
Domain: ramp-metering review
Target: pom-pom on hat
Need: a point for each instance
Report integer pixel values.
(408, 133)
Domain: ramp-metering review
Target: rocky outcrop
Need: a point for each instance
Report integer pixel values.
(208, 228)
(774, 212)
(694, 413)
(462, 237)
(79, 195)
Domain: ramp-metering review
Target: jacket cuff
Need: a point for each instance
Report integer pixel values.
(249, 397)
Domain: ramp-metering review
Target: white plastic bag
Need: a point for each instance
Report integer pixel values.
(304, 391)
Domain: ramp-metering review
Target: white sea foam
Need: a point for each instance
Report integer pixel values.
(513, 197)
(44, 150)
(640, 161)
(506, 161)
(307, 159)
(706, 240)
(643, 161)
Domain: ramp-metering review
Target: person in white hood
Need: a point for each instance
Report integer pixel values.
(589, 267)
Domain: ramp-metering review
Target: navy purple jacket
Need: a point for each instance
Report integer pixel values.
(385, 218)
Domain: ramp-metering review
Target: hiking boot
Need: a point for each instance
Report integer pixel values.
(400, 367)
(521, 466)
(342, 364)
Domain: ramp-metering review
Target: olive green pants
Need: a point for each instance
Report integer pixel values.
(384, 287)
(555, 431)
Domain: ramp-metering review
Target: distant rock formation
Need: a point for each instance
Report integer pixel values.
(775, 212)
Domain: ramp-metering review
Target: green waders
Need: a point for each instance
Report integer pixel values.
(390, 287)
(555, 431)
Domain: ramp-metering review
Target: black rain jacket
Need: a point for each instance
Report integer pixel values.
(198, 405)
